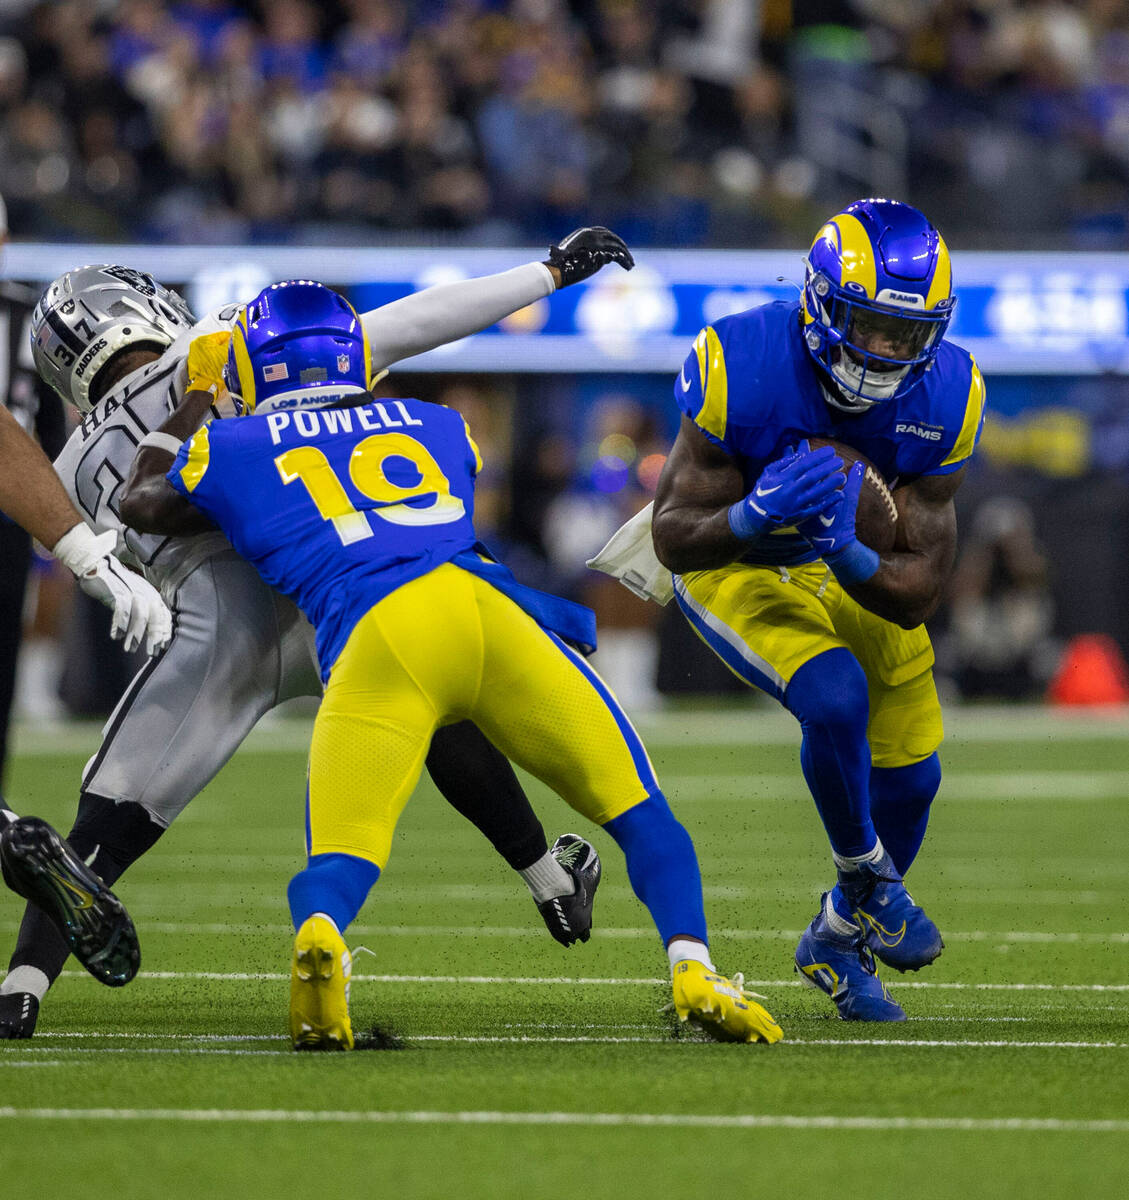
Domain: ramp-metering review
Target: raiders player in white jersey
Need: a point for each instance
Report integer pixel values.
(121, 346)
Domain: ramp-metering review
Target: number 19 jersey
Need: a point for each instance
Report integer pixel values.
(337, 507)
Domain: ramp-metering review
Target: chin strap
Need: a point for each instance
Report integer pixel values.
(837, 400)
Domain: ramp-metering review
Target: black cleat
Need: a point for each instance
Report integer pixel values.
(18, 1013)
(569, 918)
(39, 864)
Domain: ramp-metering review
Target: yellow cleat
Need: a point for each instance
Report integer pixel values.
(721, 1007)
(319, 988)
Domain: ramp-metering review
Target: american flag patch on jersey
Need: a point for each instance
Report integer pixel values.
(275, 372)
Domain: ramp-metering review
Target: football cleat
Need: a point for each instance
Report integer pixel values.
(569, 918)
(719, 1006)
(320, 971)
(843, 967)
(19, 1012)
(40, 865)
(897, 930)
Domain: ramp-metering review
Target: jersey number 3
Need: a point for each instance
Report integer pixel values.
(366, 470)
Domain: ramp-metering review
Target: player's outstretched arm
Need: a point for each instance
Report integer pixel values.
(450, 311)
(703, 518)
(905, 585)
(148, 502)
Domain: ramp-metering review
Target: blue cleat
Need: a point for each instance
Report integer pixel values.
(897, 930)
(843, 967)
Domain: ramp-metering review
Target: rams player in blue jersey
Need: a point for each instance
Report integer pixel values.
(361, 511)
(759, 531)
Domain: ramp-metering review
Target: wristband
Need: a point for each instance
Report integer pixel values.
(744, 522)
(74, 543)
(80, 548)
(161, 441)
(855, 563)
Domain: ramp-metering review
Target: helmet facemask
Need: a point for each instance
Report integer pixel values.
(873, 351)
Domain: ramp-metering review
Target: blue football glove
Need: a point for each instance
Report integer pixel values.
(798, 485)
(832, 533)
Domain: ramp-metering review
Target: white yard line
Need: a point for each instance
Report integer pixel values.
(1037, 936)
(575, 981)
(742, 727)
(846, 1043)
(601, 1120)
(521, 1039)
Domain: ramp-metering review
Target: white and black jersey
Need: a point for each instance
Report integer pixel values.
(96, 459)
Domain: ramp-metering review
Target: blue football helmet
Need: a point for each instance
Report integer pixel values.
(298, 344)
(877, 299)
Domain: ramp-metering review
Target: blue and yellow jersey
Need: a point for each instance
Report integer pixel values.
(749, 384)
(337, 507)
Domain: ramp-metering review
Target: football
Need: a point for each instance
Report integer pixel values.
(877, 520)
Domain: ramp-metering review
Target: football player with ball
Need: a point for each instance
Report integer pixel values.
(808, 578)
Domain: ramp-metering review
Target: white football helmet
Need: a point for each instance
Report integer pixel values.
(87, 315)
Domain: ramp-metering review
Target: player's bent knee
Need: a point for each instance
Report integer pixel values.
(119, 832)
(906, 725)
(645, 825)
(830, 692)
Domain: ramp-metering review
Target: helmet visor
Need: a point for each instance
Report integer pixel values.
(883, 338)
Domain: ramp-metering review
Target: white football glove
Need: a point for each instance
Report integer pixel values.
(139, 612)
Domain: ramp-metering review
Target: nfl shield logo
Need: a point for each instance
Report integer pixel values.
(343, 363)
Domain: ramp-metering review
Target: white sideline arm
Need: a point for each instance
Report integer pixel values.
(450, 311)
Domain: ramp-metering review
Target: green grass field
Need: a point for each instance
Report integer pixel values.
(532, 1070)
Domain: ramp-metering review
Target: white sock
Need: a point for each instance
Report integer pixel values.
(847, 862)
(547, 879)
(681, 949)
(325, 917)
(25, 979)
(838, 924)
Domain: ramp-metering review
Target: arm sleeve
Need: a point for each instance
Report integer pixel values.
(450, 311)
(193, 472)
(701, 390)
(972, 424)
(475, 455)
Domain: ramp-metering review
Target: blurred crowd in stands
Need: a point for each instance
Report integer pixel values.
(680, 122)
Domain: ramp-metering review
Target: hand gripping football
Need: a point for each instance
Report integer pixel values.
(877, 521)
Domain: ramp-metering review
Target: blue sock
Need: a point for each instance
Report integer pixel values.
(829, 697)
(663, 867)
(899, 806)
(335, 884)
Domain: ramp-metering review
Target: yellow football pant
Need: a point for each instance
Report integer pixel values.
(450, 647)
(767, 622)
